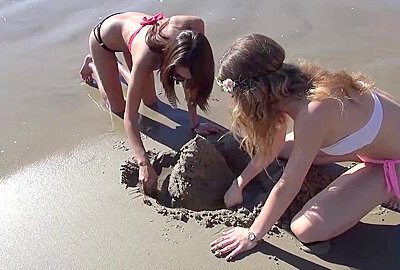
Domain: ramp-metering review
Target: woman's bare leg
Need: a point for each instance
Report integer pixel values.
(125, 73)
(106, 73)
(342, 204)
(128, 59)
(149, 98)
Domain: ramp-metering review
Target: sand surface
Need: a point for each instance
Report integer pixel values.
(71, 211)
(62, 204)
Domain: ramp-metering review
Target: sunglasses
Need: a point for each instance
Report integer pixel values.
(178, 79)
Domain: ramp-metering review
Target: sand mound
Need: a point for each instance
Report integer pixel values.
(200, 178)
(193, 181)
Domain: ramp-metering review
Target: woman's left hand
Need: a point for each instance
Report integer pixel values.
(233, 242)
(207, 128)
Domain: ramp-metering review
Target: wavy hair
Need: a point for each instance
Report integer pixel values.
(262, 81)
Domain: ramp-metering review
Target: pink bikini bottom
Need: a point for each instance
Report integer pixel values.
(389, 168)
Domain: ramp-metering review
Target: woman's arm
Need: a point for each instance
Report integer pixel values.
(234, 194)
(140, 81)
(310, 129)
(258, 163)
(193, 118)
(136, 84)
(187, 22)
(195, 125)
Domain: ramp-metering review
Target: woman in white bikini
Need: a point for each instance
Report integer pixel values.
(337, 117)
(175, 46)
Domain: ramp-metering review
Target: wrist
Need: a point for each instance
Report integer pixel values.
(259, 228)
(253, 237)
(142, 161)
(193, 127)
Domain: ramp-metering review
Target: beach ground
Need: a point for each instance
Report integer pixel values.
(62, 204)
(81, 216)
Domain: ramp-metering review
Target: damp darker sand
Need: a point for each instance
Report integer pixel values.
(62, 203)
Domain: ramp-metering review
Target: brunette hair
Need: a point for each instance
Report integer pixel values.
(190, 49)
(261, 80)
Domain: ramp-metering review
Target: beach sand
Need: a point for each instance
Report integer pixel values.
(62, 204)
(71, 211)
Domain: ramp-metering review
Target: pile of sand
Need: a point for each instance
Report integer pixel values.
(192, 183)
(200, 178)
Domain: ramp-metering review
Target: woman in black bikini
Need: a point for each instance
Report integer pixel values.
(175, 46)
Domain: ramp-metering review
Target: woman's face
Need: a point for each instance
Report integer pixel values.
(181, 74)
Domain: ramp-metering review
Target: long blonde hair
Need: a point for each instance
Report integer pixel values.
(262, 81)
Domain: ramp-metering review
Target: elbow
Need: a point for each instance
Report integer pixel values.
(285, 188)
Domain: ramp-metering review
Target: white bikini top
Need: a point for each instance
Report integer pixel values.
(361, 137)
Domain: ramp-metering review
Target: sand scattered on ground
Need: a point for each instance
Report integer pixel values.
(193, 181)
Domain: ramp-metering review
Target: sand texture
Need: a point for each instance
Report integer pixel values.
(62, 205)
(202, 171)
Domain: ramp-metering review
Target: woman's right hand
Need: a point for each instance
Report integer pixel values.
(234, 195)
(148, 177)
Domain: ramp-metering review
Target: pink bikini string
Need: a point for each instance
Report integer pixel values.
(152, 20)
(389, 168)
(145, 21)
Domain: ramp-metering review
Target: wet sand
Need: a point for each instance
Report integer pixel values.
(61, 201)
(71, 211)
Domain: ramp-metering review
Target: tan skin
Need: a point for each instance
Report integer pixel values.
(141, 62)
(346, 200)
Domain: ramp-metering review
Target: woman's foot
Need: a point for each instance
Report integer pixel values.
(86, 71)
(317, 248)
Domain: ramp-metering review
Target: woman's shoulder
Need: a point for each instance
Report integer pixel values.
(134, 14)
(320, 109)
(187, 22)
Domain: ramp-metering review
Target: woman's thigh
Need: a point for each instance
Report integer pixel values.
(342, 204)
(107, 69)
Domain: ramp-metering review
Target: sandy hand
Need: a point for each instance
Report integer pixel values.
(233, 195)
(208, 128)
(233, 242)
(148, 177)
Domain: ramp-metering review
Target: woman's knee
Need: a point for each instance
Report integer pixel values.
(307, 231)
(301, 233)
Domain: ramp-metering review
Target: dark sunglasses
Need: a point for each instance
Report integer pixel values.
(178, 79)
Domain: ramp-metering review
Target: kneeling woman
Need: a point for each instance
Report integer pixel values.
(337, 117)
(175, 46)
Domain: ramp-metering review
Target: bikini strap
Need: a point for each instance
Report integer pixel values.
(389, 170)
(378, 161)
(97, 35)
(145, 21)
(152, 20)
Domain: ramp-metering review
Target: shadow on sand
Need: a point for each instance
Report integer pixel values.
(174, 138)
(365, 247)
